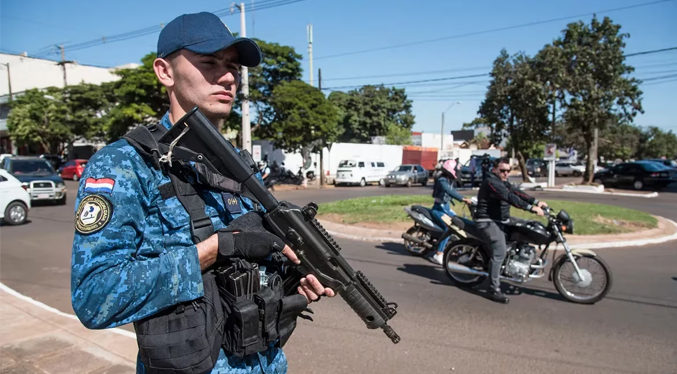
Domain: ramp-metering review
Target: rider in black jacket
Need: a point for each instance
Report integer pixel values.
(495, 197)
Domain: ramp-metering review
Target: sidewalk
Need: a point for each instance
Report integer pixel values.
(37, 340)
(666, 230)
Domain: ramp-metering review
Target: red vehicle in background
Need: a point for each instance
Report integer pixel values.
(73, 169)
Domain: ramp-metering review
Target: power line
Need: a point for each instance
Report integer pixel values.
(488, 31)
(408, 73)
(410, 82)
(651, 52)
(224, 12)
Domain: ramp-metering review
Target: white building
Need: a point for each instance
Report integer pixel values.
(22, 73)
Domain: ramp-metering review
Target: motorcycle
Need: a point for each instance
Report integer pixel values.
(580, 276)
(423, 237)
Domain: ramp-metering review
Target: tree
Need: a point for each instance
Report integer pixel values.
(655, 143)
(370, 110)
(280, 64)
(303, 115)
(397, 135)
(619, 142)
(515, 104)
(304, 119)
(138, 98)
(476, 123)
(40, 117)
(598, 92)
(87, 105)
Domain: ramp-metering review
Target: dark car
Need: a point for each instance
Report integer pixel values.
(537, 167)
(465, 170)
(669, 163)
(638, 175)
(39, 175)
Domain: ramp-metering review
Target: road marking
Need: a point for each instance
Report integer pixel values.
(48, 308)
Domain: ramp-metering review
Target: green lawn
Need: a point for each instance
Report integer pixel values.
(589, 219)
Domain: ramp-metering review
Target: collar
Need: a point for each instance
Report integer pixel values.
(166, 122)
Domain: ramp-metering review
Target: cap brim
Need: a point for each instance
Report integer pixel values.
(249, 53)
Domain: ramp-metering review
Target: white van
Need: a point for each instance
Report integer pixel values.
(360, 172)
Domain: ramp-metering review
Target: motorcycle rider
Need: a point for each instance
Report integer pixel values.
(495, 196)
(264, 169)
(443, 192)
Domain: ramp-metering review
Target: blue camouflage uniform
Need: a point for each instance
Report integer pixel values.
(139, 257)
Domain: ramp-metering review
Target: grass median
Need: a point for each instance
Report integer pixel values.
(387, 212)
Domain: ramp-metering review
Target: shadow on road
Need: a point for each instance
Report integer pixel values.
(438, 277)
(394, 248)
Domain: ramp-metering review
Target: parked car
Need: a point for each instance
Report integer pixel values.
(407, 175)
(565, 169)
(537, 167)
(638, 175)
(668, 163)
(15, 201)
(465, 170)
(42, 181)
(360, 172)
(73, 169)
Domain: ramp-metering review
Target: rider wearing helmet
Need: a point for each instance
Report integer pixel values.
(264, 169)
(443, 192)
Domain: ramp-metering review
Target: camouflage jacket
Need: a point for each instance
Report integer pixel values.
(132, 251)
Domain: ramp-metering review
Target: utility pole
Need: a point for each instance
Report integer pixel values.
(246, 123)
(63, 63)
(322, 173)
(9, 81)
(309, 29)
(442, 129)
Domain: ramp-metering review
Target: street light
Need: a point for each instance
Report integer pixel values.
(442, 130)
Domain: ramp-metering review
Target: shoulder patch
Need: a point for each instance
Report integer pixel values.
(93, 214)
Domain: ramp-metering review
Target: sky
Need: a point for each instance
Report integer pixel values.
(443, 39)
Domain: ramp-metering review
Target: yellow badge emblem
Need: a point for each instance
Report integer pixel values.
(93, 214)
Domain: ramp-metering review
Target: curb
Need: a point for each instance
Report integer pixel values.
(627, 243)
(646, 196)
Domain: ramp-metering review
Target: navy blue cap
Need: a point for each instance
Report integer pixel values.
(204, 33)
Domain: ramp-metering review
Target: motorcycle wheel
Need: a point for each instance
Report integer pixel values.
(460, 252)
(579, 290)
(414, 248)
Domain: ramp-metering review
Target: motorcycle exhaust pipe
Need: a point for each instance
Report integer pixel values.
(416, 240)
(455, 267)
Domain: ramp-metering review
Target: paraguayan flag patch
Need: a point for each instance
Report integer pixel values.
(103, 185)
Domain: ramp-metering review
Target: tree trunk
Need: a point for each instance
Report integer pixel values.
(523, 166)
(590, 164)
(322, 178)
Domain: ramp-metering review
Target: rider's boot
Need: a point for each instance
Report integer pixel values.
(497, 296)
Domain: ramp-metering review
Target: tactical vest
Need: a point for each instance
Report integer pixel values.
(187, 338)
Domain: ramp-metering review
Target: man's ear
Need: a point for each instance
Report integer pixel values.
(164, 72)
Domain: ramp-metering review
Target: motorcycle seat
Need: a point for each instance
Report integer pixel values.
(423, 210)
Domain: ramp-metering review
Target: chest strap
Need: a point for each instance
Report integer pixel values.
(201, 226)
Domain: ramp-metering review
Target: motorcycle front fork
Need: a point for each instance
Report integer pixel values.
(570, 255)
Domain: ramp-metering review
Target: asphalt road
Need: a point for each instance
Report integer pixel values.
(443, 328)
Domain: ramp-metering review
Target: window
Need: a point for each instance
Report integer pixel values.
(360, 164)
(70, 163)
(404, 168)
(419, 168)
(652, 166)
(3, 179)
(346, 164)
(373, 164)
(380, 164)
(34, 167)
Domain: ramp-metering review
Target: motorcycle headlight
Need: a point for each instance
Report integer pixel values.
(568, 227)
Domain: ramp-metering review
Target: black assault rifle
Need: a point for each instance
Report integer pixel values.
(320, 255)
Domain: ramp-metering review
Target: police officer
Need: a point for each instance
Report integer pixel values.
(132, 252)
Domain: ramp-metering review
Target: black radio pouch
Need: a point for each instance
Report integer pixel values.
(183, 339)
(254, 322)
